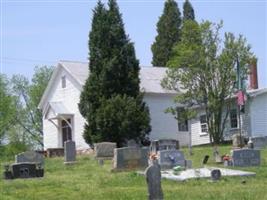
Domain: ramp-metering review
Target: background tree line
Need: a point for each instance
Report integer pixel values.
(20, 120)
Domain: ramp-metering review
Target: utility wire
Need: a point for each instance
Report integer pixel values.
(10, 59)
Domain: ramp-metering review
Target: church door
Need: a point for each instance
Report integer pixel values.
(66, 131)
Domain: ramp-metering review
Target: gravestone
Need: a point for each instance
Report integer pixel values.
(23, 170)
(171, 158)
(250, 143)
(164, 144)
(216, 155)
(259, 142)
(69, 152)
(132, 143)
(104, 150)
(245, 157)
(205, 159)
(153, 179)
(29, 156)
(128, 158)
(215, 174)
(238, 140)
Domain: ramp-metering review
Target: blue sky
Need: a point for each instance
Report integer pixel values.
(44, 32)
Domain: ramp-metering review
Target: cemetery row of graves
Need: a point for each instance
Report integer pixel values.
(154, 166)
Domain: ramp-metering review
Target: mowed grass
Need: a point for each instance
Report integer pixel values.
(86, 180)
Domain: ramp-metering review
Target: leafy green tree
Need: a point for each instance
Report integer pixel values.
(188, 11)
(168, 28)
(7, 107)
(206, 73)
(113, 79)
(28, 116)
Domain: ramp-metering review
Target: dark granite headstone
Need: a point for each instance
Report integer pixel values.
(171, 158)
(215, 174)
(104, 150)
(69, 152)
(29, 156)
(205, 160)
(23, 170)
(153, 179)
(127, 158)
(245, 157)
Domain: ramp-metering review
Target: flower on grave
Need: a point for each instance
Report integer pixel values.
(153, 156)
(226, 157)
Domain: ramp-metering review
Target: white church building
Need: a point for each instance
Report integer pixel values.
(62, 119)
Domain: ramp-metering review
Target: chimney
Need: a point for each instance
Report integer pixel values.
(253, 77)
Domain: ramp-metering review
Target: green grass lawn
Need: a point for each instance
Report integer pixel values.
(88, 181)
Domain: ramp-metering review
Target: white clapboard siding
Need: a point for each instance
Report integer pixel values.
(245, 122)
(50, 136)
(70, 96)
(164, 125)
(197, 136)
(259, 115)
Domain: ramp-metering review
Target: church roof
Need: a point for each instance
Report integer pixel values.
(150, 78)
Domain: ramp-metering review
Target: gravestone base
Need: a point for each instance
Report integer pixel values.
(40, 173)
(23, 170)
(70, 163)
(101, 160)
(55, 152)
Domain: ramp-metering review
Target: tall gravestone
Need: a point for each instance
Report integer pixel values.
(70, 152)
(153, 179)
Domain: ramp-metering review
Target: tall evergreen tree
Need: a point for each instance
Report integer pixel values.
(168, 28)
(91, 94)
(188, 11)
(111, 101)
